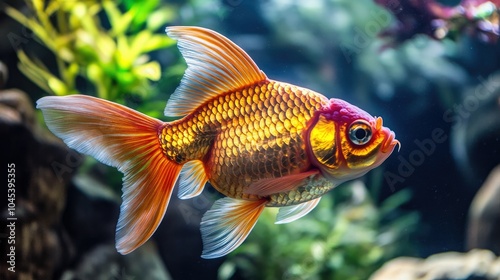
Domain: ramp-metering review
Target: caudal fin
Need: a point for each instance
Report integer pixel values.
(121, 137)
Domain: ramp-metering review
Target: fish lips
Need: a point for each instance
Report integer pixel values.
(390, 141)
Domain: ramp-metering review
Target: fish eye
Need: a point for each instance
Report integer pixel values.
(360, 132)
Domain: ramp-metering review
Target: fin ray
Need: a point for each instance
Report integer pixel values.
(215, 65)
(121, 137)
(289, 214)
(227, 224)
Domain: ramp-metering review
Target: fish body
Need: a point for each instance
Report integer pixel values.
(244, 136)
(259, 142)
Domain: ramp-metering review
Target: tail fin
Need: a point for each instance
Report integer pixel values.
(126, 139)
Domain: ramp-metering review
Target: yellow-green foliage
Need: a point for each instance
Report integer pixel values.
(113, 59)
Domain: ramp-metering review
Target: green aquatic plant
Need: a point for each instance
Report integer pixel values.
(101, 48)
(106, 44)
(348, 236)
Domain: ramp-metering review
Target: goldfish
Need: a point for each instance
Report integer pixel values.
(259, 142)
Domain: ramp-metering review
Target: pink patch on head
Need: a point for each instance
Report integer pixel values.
(341, 111)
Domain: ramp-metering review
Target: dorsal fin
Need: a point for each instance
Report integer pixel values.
(215, 65)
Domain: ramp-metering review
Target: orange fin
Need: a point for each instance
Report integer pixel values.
(270, 186)
(126, 139)
(192, 179)
(289, 214)
(227, 224)
(215, 65)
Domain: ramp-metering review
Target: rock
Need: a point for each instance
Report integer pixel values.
(476, 264)
(16, 108)
(103, 263)
(42, 246)
(484, 215)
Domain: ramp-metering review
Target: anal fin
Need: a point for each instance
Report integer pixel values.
(227, 224)
(289, 214)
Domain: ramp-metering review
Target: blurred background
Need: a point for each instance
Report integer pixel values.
(429, 68)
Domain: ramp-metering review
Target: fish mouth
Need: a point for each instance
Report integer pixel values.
(390, 142)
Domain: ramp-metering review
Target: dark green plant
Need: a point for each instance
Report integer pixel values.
(348, 236)
(101, 48)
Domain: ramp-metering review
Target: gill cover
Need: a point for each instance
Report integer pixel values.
(323, 144)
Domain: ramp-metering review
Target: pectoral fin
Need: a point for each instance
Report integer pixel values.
(289, 214)
(192, 179)
(227, 224)
(270, 186)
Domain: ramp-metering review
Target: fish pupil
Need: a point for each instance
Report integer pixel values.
(360, 133)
